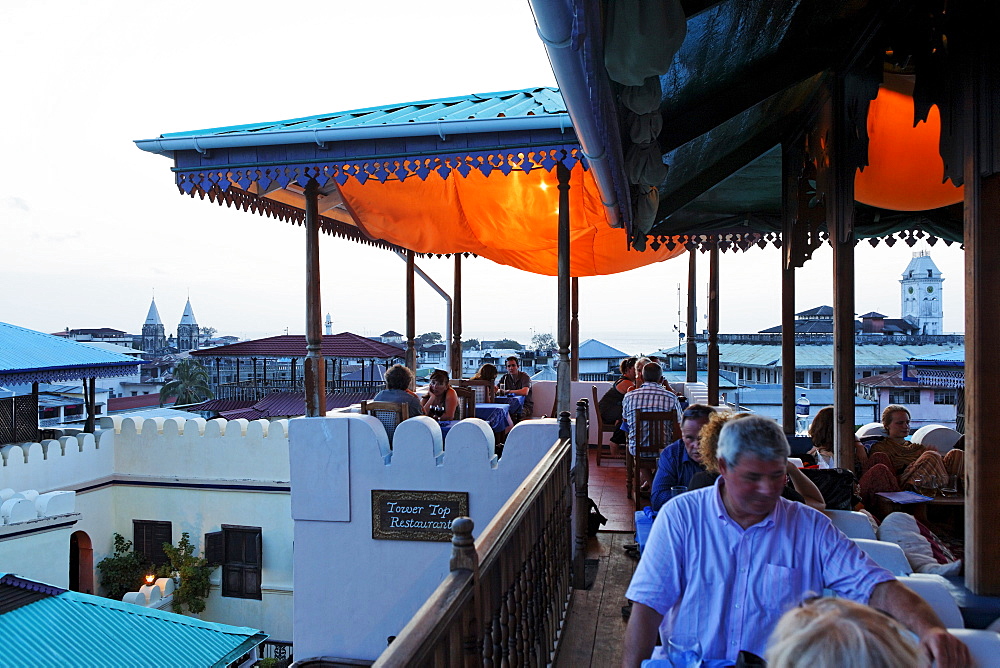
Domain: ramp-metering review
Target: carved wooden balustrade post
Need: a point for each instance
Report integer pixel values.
(581, 500)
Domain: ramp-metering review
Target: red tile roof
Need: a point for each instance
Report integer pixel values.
(286, 404)
(344, 344)
(892, 378)
(138, 401)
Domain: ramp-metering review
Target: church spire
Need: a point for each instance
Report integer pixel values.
(153, 317)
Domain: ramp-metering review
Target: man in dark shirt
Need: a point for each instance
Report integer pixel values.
(680, 460)
(514, 381)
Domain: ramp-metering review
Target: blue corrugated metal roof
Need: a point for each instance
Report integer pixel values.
(506, 104)
(594, 349)
(25, 352)
(74, 629)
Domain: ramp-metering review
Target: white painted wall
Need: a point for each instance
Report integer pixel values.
(352, 592)
(543, 394)
(169, 470)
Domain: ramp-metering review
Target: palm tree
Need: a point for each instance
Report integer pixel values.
(190, 384)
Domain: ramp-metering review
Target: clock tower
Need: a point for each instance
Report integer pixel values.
(921, 294)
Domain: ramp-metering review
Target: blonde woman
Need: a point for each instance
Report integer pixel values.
(835, 632)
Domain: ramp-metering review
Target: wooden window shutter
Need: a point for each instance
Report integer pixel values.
(215, 548)
(148, 537)
(241, 569)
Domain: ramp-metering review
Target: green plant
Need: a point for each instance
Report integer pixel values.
(123, 571)
(194, 573)
(190, 384)
(268, 662)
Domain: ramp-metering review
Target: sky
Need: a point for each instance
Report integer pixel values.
(93, 228)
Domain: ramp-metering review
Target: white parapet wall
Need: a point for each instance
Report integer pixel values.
(151, 447)
(352, 591)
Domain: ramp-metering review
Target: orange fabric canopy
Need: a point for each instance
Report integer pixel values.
(905, 170)
(511, 219)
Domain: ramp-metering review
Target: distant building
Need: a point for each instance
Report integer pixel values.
(927, 404)
(154, 339)
(188, 333)
(599, 361)
(921, 296)
(98, 335)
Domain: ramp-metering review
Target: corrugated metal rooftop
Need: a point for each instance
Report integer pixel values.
(54, 627)
(505, 104)
(29, 356)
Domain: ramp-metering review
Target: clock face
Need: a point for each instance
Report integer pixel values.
(910, 289)
(930, 289)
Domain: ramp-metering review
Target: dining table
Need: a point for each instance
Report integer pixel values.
(497, 415)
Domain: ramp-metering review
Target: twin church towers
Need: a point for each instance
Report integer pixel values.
(154, 340)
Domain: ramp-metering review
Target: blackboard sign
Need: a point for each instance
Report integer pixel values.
(413, 515)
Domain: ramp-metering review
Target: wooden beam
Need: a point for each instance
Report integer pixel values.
(456, 321)
(575, 327)
(691, 359)
(791, 161)
(713, 325)
(840, 220)
(982, 322)
(411, 315)
(315, 378)
(564, 371)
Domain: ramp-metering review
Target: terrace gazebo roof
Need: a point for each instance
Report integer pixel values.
(468, 174)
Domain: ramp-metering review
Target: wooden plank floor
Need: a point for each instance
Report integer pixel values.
(595, 629)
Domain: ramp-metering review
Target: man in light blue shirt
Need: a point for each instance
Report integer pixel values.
(723, 563)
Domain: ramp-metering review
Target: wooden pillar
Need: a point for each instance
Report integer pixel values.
(574, 327)
(456, 320)
(315, 375)
(294, 360)
(411, 315)
(564, 371)
(691, 359)
(791, 158)
(840, 222)
(713, 325)
(982, 322)
(90, 403)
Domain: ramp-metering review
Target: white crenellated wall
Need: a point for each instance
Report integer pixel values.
(164, 447)
(351, 591)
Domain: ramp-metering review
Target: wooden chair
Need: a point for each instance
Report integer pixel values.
(654, 431)
(466, 402)
(602, 429)
(389, 413)
(484, 389)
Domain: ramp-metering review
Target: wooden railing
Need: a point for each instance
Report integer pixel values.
(249, 390)
(504, 602)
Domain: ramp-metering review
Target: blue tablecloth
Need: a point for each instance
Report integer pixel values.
(498, 415)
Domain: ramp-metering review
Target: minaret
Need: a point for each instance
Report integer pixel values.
(188, 334)
(153, 337)
(921, 294)
(329, 325)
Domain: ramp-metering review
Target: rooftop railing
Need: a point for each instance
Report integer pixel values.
(505, 600)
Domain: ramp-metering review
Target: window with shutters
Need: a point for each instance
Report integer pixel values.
(239, 550)
(148, 537)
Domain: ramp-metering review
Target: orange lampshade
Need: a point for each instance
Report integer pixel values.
(905, 169)
(511, 219)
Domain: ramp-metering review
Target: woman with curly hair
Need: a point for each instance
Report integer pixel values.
(802, 489)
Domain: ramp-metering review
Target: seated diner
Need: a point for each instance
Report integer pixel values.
(610, 405)
(397, 382)
(895, 463)
(441, 400)
(488, 373)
